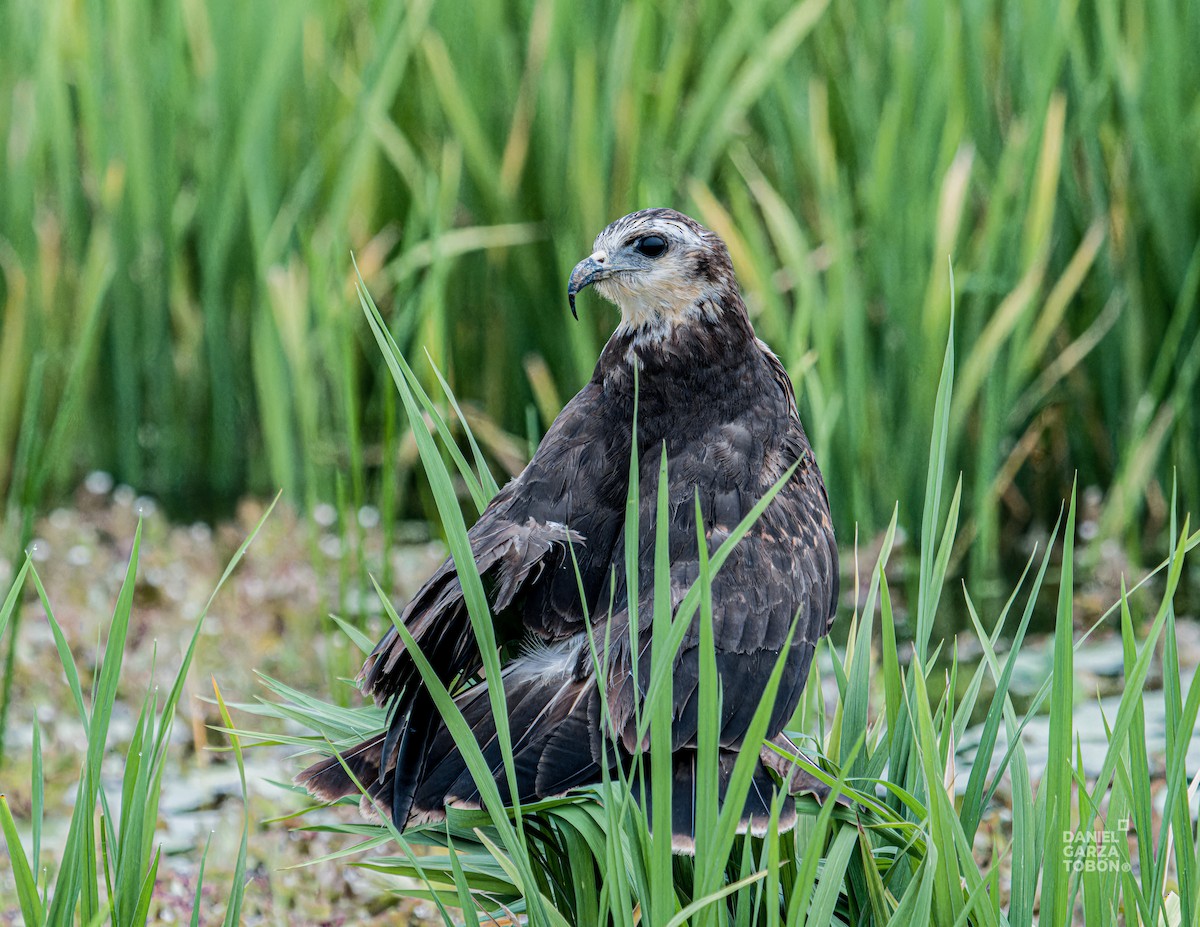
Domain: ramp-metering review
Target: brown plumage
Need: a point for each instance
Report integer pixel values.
(723, 406)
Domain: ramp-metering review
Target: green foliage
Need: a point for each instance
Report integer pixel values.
(173, 218)
(119, 846)
(899, 847)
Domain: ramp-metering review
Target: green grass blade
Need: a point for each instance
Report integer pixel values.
(975, 797)
(662, 897)
(702, 903)
(26, 884)
(1056, 785)
(195, 921)
(465, 902)
(708, 855)
(37, 797)
(142, 912)
(64, 652)
(14, 595)
(829, 887)
(237, 893)
(947, 894)
(928, 593)
(364, 644)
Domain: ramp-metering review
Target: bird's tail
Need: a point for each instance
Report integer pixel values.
(554, 724)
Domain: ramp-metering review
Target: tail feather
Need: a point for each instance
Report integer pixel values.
(412, 754)
(541, 707)
(328, 780)
(558, 767)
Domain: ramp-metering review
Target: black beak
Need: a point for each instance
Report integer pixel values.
(586, 272)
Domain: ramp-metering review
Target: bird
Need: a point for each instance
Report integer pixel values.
(551, 550)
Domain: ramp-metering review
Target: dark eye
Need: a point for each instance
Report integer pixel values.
(652, 246)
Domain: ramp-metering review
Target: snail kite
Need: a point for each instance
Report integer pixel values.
(724, 408)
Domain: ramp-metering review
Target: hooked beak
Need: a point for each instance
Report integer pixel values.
(592, 268)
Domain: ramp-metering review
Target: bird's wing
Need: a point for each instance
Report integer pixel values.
(510, 556)
(521, 546)
(568, 497)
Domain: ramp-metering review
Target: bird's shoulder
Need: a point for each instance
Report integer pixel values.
(580, 460)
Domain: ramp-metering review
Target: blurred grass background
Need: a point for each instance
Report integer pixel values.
(183, 185)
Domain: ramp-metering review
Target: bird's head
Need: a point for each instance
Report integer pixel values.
(661, 268)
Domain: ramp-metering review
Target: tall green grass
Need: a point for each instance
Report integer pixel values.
(170, 222)
(106, 870)
(900, 844)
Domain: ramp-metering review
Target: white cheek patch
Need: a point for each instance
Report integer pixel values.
(656, 299)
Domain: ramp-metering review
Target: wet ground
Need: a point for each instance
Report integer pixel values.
(269, 618)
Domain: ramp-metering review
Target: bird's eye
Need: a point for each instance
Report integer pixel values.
(652, 246)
